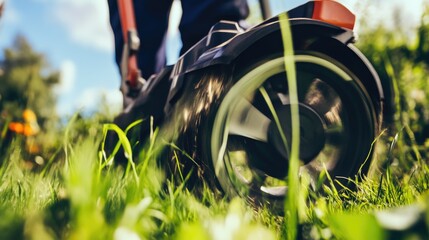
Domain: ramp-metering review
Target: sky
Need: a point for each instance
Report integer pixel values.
(76, 38)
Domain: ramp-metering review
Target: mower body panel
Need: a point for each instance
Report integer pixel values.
(227, 42)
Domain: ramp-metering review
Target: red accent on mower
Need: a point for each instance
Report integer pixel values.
(334, 13)
(219, 103)
(132, 81)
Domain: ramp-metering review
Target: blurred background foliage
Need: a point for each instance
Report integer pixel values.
(400, 56)
(27, 82)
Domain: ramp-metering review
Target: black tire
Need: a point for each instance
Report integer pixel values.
(253, 166)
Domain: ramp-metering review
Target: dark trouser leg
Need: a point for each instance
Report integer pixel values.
(152, 22)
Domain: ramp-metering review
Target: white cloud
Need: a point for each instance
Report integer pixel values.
(378, 12)
(383, 12)
(86, 21)
(90, 99)
(10, 15)
(67, 77)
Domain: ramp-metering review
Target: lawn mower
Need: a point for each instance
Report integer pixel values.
(217, 107)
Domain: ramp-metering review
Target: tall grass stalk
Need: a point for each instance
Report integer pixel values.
(291, 204)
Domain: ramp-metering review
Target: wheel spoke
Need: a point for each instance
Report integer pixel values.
(248, 121)
(279, 191)
(321, 97)
(334, 135)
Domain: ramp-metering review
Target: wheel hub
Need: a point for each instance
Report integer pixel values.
(312, 133)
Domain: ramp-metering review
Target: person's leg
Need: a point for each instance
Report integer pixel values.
(200, 15)
(115, 23)
(152, 22)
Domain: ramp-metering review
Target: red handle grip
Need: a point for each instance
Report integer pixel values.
(128, 24)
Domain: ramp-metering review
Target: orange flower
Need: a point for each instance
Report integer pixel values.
(16, 127)
(30, 127)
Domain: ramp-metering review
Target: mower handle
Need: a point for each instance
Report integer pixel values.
(1, 8)
(265, 9)
(130, 73)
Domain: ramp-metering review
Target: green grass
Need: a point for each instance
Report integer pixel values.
(81, 197)
(73, 190)
(78, 196)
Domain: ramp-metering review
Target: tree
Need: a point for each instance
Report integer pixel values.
(423, 37)
(26, 83)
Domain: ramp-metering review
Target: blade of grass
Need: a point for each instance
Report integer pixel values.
(118, 144)
(126, 145)
(368, 156)
(291, 204)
